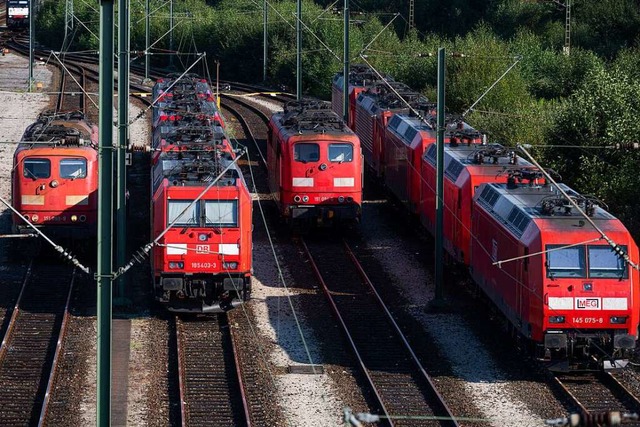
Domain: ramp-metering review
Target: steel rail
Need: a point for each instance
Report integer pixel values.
(181, 378)
(239, 373)
(345, 329)
(14, 314)
(54, 371)
(407, 346)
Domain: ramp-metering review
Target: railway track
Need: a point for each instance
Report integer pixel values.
(395, 375)
(72, 95)
(211, 388)
(595, 394)
(31, 346)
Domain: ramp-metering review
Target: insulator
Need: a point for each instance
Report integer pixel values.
(139, 148)
(612, 418)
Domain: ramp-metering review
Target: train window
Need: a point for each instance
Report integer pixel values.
(176, 209)
(73, 168)
(37, 168)
(306, 152)
(222, 213)
(565, 261)
(604, 263)
(340, 153)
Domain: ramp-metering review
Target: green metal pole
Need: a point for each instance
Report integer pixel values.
(32, 12)
(345, 72)
(265, 50)
(147, 39)
(439, 294)
(105, 216)
(299, 50)
(123, 142)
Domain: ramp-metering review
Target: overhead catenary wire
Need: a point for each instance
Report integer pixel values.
(65, 253)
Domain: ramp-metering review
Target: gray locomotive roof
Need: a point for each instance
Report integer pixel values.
(518, 207)
(310, 117)
(195, 170)
(360, 75)
(456, 158)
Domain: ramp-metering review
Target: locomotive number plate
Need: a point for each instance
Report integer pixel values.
(587, 320)
(203, 265)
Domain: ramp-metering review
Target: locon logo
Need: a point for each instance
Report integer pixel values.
(588, 303)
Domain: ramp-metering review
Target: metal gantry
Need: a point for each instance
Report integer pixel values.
(412, 14)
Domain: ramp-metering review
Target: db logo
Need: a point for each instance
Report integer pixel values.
(587, 303)
(202, 249)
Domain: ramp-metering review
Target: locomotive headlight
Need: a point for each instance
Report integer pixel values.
(349, 199)
(340, 199)
(176, 264)
(54, 184)
(35, 218)
(230, 265)
(296, 198)
(556, 319)
(83, 218)
(305, 199)
(74, 218)
(618, 320)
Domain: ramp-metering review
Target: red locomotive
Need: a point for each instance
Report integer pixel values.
(360, 78)
(201, 214)
(187, 96)
(315, 165)
(466, 166)
(55, 176)
(374, 108)
(575, 293)
(571, 294)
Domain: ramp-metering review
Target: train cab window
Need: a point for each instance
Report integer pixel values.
(73, 168)
(221, 213)
(340, 153)
(306, 152)
(604, 263)
(176, 209)
(36, 168)
(565, 261)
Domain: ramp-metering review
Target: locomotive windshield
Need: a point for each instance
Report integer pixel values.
(565, 262)
(340, 153)
(204, 213)
(593, 261)
(221, 213)
(603, 262)
(73, 168)
(306, 152)
(181, 211)
(37, 168)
